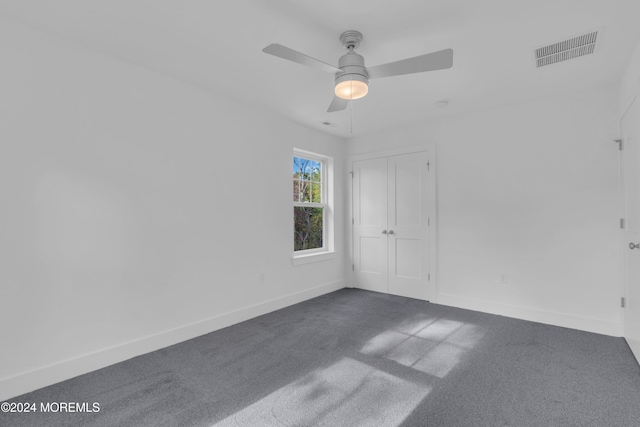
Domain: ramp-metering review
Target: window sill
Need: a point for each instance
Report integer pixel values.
(306, 259)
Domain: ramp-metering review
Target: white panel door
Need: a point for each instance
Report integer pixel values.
(390, 225)
(369, 221)
(408, 234)
(630, 129)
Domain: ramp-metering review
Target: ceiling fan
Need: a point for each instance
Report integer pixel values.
(352, 77)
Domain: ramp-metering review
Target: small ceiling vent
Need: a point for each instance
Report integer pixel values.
(566, 49)
(329, 124)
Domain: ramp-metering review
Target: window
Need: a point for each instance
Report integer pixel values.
(311, 207)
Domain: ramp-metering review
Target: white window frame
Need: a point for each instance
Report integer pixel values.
(326, 182)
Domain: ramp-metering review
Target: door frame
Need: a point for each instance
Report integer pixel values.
(430, 148)
(623, 215)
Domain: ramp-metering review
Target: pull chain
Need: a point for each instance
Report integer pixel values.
(351, 117)
(351, 102)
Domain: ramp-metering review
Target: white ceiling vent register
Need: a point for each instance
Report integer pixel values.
(566, 49)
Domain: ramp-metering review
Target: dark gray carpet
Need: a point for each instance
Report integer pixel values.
(355, 358)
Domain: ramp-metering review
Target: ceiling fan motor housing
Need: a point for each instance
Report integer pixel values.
(352, 66)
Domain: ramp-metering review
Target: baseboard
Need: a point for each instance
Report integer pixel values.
(587, 324)
(635, 349)
(54, 373)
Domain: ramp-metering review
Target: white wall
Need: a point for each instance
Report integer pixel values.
(136, 211)
(630, 85)
(531, 191)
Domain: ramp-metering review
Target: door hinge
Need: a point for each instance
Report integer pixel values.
(428, 166)
(353, 221)
(622, 223)
(622, 302)
(429, 276)
(353, 267)
(351, 174)
(619, 142)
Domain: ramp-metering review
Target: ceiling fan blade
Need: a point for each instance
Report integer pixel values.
(338, 104)
(439, 60)
(284, 52)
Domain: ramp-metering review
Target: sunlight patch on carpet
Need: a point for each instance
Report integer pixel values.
(435, 349)
(346, 390)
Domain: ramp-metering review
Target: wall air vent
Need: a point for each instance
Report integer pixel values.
(566, 49)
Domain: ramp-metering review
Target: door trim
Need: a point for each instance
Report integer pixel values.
(433, 211)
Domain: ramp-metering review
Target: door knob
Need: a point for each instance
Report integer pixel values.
(391, 232)
(384, 231)
(632, 245)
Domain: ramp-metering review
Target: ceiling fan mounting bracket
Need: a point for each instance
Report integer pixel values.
(351, 39)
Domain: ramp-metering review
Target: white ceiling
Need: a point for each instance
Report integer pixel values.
(217, 45)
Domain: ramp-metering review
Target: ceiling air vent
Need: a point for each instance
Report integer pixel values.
(567, 49)
(329, 124)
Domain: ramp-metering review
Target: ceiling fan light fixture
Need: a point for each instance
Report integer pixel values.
(352, 86)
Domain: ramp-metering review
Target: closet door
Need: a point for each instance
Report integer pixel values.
(370, 224)
(390, 225)
(630, 130)
(408, 227)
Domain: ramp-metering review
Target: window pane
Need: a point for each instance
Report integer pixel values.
(305, 168)
(316, 171)
(305, 191)
(316, 193)
(308, 175)
(307, 228)
(296, 190)
(296, 167)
